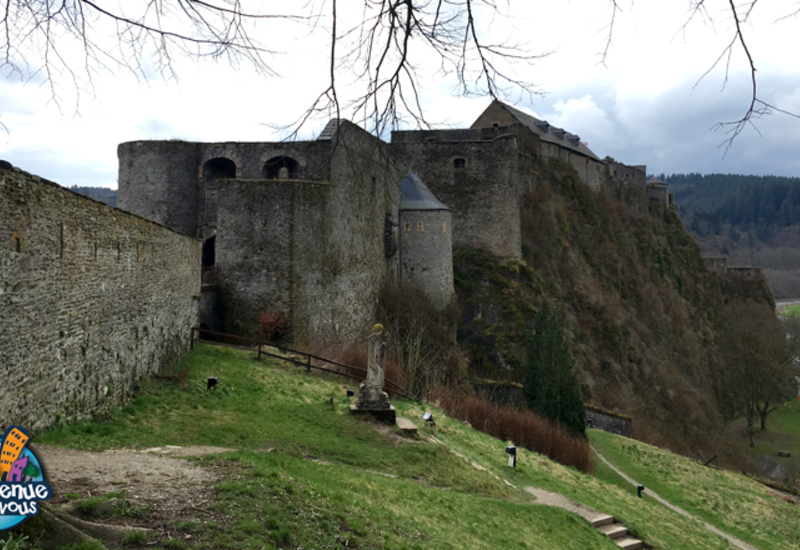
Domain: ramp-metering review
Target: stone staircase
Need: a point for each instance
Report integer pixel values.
(616, 531)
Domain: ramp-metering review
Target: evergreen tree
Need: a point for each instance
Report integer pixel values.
(550, 384)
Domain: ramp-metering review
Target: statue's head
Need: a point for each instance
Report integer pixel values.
(377, 329)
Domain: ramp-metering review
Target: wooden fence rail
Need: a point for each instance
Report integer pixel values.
(304, 360)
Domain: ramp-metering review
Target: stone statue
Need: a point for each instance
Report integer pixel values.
(370, 393)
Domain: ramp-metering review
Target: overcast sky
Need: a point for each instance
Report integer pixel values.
(646, 105)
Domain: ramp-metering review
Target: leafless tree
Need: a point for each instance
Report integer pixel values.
(740, 17)
(421, 339)
(758, 373)
(740, 14)
(381, 49)
(57, 40)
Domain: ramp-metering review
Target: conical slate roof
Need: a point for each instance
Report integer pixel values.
(415, 195)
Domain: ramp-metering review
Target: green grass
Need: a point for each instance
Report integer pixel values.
(793, 310)
(734, 503)
(92, 503)
(303, 475)
(782, 434)
(135, 538)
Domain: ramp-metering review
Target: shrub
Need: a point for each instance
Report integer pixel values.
(524, 428)
(271, 325)
(420, 339)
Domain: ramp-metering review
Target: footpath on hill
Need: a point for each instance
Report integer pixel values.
(733, 540)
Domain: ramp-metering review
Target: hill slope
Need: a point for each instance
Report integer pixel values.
(643, 313)
(304, 475)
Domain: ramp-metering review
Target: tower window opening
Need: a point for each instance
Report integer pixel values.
(281, 168)
(421, 226)
(459, 163)
(219, 168)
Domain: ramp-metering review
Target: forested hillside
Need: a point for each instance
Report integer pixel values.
(754, 220)
(644, 316)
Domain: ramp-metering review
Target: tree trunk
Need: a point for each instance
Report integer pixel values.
(763, 413)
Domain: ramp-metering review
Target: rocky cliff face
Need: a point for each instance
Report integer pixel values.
(642, 310)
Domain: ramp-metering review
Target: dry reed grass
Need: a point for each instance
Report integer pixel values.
(524, 428)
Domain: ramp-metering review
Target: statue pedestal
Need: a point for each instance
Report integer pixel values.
(383, 414)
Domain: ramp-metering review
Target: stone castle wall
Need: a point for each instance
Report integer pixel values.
(609, 422)
(92, 297)
(157, 180)
(627, 184)
(482, 182)
(309, 249)
(589, 169)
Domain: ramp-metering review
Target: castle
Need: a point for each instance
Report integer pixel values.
(96, 297)
(313, 229)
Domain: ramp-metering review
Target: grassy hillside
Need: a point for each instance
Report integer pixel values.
(731, 502)
(306, 476)
(642, 311)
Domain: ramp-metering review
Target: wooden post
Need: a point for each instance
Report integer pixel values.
(308, 364)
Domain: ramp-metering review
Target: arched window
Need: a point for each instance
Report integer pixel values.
(219, 168)
(280, 168)
(459, 163)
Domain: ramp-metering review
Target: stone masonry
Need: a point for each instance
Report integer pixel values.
(311, 229)
(297, 227)
(92, 297)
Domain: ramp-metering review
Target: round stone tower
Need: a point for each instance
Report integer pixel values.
(426, 241)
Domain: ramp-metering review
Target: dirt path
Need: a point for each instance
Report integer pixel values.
(548, 498)
(733, 540)
(169, 486)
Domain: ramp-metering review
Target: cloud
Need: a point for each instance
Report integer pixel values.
(583, 117)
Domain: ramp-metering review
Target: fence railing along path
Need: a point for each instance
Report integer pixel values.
(299, 358)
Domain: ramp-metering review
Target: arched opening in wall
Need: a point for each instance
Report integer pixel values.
(280, 168)
(459, 163)
(219, 168)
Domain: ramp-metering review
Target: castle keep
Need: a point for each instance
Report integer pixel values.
(312, 230)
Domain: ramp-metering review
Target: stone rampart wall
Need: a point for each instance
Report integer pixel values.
(158, 181)
(609, 422)
(92, 297)
(310, 250)
(480, 181)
